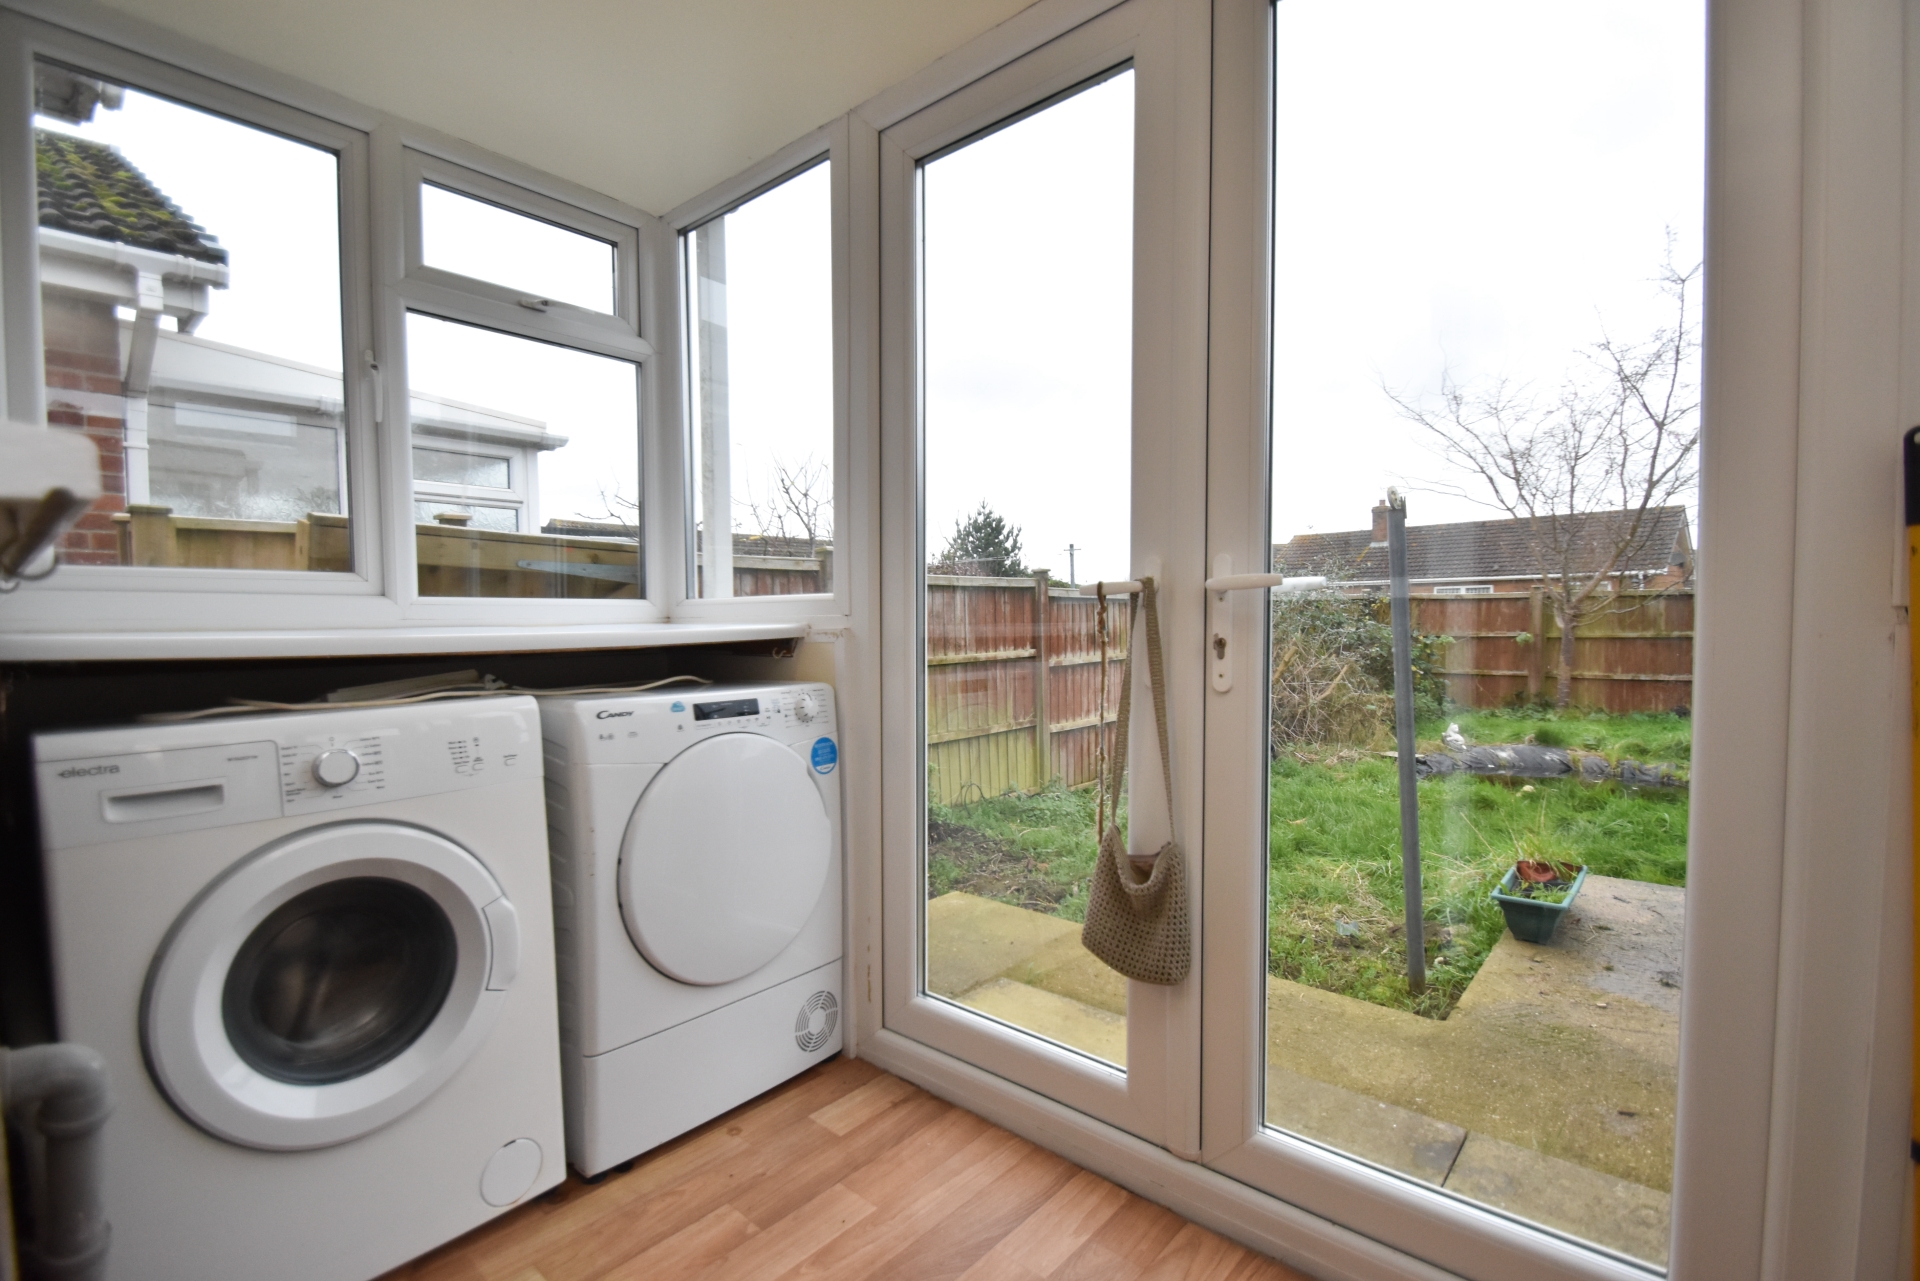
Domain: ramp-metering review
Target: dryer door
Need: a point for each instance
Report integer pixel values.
(328, 983)
(724, 859)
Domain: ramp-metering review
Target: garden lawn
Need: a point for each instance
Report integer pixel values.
(1035, 852)
(1334, 874)
(1334, 880)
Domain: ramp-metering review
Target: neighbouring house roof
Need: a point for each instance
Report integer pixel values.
(90, 189)
(1486, 549)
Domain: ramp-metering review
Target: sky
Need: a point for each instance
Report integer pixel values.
(1482, 189)
(779, 313)
(1028, 281)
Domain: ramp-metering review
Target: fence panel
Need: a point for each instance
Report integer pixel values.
(1013, 686)
(1636, 656)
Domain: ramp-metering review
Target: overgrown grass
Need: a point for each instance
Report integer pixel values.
(1334, 876)
(1334, 884)
(1032, 851)
(1645, 737)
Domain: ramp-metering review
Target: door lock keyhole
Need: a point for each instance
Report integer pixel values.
(1219, 647)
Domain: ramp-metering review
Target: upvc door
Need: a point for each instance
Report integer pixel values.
(1470, 333)
(1044, 317)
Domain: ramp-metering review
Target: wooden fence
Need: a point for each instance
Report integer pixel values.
(454, 560)
(1013, 671)
(1635, 657)
(1013, 685)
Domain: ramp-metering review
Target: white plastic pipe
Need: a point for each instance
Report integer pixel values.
(60, 1092)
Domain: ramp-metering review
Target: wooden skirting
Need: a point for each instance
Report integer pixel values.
(845, 1173)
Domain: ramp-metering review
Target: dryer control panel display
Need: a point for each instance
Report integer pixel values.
(656, 726)
(727, 710)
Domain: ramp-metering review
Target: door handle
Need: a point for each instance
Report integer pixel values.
(1220, 589)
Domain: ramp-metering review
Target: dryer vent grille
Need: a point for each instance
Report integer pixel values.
(819, 1015)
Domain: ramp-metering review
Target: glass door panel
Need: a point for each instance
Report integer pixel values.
(1487, 220)
(1027, 236)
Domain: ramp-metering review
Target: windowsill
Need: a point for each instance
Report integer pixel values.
(56, 647)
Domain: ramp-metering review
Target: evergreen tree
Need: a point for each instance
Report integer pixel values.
(983, 544)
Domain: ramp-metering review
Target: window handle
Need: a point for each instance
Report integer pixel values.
(536, 304)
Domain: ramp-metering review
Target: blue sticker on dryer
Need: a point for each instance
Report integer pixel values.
(825, 756)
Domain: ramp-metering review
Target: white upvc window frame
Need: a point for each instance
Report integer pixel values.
(407, 285)
(109, 598)
(852, 564)
(124, 612)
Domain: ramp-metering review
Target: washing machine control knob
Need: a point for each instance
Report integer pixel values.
(805, 708)
(336, 767)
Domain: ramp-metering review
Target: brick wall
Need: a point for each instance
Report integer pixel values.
(83, 356)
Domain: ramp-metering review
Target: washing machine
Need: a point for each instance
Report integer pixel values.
(316, 950)
(695, 838)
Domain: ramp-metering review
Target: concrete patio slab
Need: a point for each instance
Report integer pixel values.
(1611, 1212)
(1415, 1145)
(1548, 1049)
(971, 940)
(1058, 1018)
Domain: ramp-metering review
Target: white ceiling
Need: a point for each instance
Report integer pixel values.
(651, 101)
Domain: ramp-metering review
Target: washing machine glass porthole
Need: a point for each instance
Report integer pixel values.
(338, 980)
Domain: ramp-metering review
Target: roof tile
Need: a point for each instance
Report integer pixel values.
(1478, 549)
(88, 188)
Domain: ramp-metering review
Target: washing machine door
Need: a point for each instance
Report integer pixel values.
(327, 984)
(724, 859)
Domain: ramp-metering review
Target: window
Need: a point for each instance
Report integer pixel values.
(526, 463)
(487, 242)
(759, 289)
(1028, 353)
(193, 329)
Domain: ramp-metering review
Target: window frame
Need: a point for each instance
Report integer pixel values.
(421, 166)
(413, 157)
(24, 41)
(127, 612)
(829, 145)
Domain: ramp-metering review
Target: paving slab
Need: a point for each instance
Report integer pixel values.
(1058, 1018)
(1548, 1049)
(971, 940)
(1415, 1145)
(1066, 967)
(1621, 1216)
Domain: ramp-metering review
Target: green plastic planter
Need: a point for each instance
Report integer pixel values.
(1531, 920)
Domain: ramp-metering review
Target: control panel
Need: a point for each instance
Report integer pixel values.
(653, 727)
(99, 785)
(399, 758)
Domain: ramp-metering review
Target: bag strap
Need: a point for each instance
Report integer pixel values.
(1157, 679)
(1116, 777)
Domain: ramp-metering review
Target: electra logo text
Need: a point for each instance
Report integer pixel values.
(86, 771)
(607, 716)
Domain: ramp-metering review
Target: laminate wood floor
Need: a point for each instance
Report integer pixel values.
(852, 1174)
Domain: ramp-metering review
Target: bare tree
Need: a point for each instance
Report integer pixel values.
(1586, 468)
(799, 505)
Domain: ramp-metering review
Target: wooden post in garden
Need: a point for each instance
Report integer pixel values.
(1042, 732)
(1537, 653)
(1402, 614)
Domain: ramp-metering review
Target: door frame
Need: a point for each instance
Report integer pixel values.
(1791, 1156)
(1168, 44)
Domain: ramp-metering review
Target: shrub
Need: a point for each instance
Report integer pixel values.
(1333, 671)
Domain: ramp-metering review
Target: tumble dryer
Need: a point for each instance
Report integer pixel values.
(316, 952)
(696, 862)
